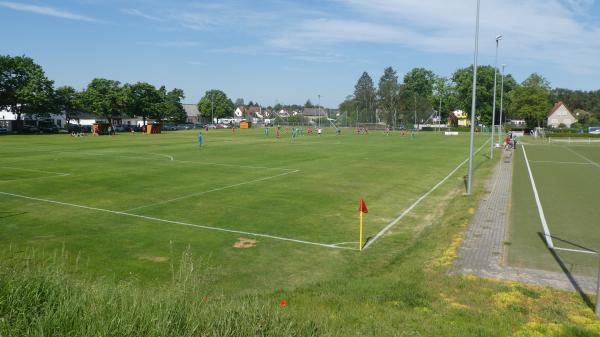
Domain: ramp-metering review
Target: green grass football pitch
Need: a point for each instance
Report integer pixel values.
(128, 203)
(567, 177)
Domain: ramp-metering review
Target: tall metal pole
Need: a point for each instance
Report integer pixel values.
(498, 38)
(212, 108)
(598, 295)
(501, 101)
(440, 113)
(473, 102)
(415, 97)
(319, 107)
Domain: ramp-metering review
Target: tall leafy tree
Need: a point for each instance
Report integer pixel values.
(67, 101)
(170, 107)
(104, 98)
(215, 103)
(387, 95)
(420, 81)
(531, 100)
(141, 100)
(24, 87)
(365, 96)
(463, 80)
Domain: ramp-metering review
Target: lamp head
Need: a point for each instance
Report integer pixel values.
(498, 38)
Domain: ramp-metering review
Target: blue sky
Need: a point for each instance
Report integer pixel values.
(288, 51)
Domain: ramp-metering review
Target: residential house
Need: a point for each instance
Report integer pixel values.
(560, 115)
(458, 118)
(192, 113)
(313, 114)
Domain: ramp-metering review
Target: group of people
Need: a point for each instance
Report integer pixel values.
(510, 142)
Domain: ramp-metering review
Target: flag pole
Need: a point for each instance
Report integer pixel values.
(360, 239)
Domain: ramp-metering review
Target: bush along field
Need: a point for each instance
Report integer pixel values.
(401, 286)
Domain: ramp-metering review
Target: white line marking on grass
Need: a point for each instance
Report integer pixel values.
(56, 174)
(344, 243)
(583, 157)
(576, 250)
(280, 238)
(235, 165)
(406, 211)
(163, 155)
(32, 170)
(209, 191)
(547, 236)
(171, 158)
(558, 162)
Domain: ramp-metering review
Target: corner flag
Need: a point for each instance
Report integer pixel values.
(362, 208)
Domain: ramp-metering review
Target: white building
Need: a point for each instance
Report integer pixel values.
(7, 118)
(560, 114)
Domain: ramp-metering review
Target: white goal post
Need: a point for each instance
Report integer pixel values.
(575, 140)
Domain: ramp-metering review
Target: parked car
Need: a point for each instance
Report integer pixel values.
(3, 131)
(48, 128)
(121, 128)
(169, 127)
(184, 126)
(30, 129)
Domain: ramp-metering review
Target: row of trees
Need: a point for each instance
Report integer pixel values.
(25, 90)
(421, 92)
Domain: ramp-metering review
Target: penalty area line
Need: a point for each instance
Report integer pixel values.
(416, 203)
(181, 223)
(209, 191)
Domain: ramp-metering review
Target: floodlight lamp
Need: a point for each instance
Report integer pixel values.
(498, 38)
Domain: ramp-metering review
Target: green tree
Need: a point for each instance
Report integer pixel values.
(170, 107)
(215, 103)
(531, 100)
(387, 95)
(463, 81)
(141, 100)
(24, 87)
(104, 98)
(308, 104)
(420, 81)
(239, 102)
(365, 97)
(67, 101)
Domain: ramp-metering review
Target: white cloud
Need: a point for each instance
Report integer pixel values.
(170, 44)
(549, 30)
(43, 10)
(137, 12)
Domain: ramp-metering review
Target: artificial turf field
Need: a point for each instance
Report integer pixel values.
(126, 203)
(567, 177)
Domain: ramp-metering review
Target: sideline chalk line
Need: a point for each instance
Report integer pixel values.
(209, 191)
(547, 234)
(406, 211)
(281, 238)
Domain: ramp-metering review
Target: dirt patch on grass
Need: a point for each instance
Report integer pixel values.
(155, 258)
(244, 243)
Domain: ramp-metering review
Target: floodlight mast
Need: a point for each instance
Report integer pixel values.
(473, 101)
(501, 100)
(498, 38)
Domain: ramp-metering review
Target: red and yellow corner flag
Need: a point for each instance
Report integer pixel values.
(362, 208)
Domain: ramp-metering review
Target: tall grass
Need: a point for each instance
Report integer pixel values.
(38, 297)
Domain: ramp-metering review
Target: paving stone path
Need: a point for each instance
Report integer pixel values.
(482, 250)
